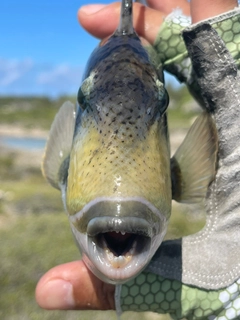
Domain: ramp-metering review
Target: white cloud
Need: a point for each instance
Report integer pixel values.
(11, 70)
(60, 79)
(61, 74)
(25, 77)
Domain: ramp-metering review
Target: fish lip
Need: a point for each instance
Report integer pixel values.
(115, 224)
(88, 212)
(149, 226)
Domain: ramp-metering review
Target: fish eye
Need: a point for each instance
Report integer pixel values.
(84, 91)
(81, 99)
(164, 101)
(162, 96)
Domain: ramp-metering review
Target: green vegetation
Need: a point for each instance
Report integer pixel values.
(30, 112)
(182, 108)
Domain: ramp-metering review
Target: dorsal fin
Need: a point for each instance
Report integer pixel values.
(125, 26)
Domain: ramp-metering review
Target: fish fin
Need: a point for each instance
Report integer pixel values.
(58, 147)
(193, 166)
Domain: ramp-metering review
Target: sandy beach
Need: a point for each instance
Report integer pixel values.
(18, 131)
(176, 136)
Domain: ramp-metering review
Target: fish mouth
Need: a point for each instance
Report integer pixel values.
(120, 249)
(117, 240)
(118, 237)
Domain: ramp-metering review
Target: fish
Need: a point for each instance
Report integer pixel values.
(109, 155)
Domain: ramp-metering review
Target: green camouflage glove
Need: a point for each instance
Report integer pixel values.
(172, 52)
(150, 292)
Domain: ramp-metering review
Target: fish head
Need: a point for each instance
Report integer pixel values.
(118, 190)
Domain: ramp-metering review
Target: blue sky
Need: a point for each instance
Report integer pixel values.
(43, 49)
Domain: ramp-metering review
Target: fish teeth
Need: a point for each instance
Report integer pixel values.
(133, 248)
(118, 262)
(123, 233)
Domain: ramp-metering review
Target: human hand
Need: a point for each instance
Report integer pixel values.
(102, 20)
(72, 286)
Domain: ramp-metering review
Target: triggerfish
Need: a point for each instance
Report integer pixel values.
(110, 157)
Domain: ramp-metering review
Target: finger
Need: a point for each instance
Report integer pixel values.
(204, 9)
(72, 286)
(104, 21)
(166, 6)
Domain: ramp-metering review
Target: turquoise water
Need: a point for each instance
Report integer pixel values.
(23, 143)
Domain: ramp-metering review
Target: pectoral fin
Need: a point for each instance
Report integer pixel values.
(58, 147)
(194, 164)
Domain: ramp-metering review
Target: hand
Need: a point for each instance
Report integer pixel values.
(146, 19)
(72, 286)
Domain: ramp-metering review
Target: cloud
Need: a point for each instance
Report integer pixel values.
(63, 77)
(11, 70)
(26, 77)
(62, 71)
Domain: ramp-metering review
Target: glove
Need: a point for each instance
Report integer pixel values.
(172, 52)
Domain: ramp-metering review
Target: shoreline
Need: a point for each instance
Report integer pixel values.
(176, 135)
(18, 131)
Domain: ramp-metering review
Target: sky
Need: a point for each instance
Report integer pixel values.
(43, 49)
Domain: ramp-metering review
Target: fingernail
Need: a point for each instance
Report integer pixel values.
(92, 8)
(58, 294)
